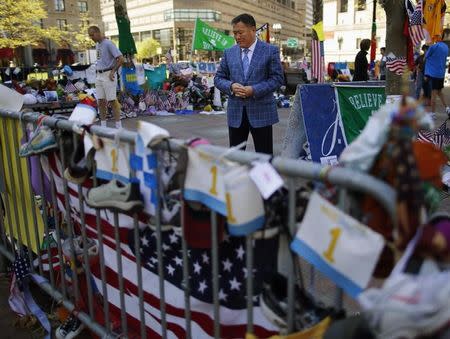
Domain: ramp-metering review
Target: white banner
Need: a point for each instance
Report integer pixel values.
(204, 181)
(245, 207)
(338, 245)
(113, 161)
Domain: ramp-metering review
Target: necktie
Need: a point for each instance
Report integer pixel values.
(245, 61)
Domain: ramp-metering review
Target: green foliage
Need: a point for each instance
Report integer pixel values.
(147, 48)
(20, 24)
(81, 40)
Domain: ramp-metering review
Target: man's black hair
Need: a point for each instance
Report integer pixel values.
(245, 18)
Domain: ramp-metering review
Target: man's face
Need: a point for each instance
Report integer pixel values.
(94, 35)
(244, 35)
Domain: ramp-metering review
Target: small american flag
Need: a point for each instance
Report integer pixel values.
(317, 60)
(70, 88)
(415, 24)
(395, 64)
(440, 137)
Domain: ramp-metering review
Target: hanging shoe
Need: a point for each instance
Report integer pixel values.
(42, 140)
(70, 328)
(80, 166)
(115, 195)
(274, 305)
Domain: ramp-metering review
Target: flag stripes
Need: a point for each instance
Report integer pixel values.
(233, 319)
(317, 61)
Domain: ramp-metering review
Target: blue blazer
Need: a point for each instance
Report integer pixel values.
(265, 75)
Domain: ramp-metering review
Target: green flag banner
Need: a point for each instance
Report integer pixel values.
(356, 105)
(209, 39)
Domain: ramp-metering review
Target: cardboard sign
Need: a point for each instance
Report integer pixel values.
(338, 245)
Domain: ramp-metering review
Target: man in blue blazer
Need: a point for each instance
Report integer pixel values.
(250, 72)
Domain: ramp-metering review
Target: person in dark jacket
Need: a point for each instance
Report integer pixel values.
(361, 63)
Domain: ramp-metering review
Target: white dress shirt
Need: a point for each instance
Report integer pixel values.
(250, 52)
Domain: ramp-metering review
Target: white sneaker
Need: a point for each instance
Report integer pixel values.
(115, 195)
(408, 306)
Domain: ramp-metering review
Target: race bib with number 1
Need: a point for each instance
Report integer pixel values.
(338, 245)
(204, 181)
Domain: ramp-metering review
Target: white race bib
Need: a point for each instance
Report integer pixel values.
(113, 161)
(204, 181)
(338, 245)
(245, 207)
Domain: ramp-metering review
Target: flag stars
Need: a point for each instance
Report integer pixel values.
(222, 295)
(202, 287)
(227, 265)
(173, 238)
(178, 261)
(170, 269)
(240, 252)
(205, 258)
(235, 285)
(144, 241)
(197, 267)
(153, 260)
(165, 247)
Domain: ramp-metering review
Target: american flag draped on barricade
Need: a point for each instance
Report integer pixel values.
(415, 17)
(232, 273)
(317, 53)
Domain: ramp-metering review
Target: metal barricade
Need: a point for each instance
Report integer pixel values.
(22, 229)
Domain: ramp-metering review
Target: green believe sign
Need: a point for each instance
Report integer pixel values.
(356, 105)
(207, 38)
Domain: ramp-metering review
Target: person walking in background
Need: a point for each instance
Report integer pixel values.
(361, 63)
(435, 67)
(250, 72)
(421, 84)
(109, 59)
(383, 63)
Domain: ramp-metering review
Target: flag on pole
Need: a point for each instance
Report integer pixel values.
(263, 33)
(373, 45)
(207, 38)
(317, 60)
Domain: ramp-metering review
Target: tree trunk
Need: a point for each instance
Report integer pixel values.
(126, 40)
(395, 41)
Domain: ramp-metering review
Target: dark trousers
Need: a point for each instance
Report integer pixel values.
(262, 136)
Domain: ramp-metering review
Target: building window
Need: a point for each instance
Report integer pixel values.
(344, 6)
(82, 6)
(192, 15)
(61, 24)
(59, 5)
(358, 42)
(360, 5)
(293, 5)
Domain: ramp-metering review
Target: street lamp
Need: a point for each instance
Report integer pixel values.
(277, 30)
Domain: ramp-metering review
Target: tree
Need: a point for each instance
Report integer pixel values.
(147, 48)
(16, 24)
(81, 40)
(395, 40)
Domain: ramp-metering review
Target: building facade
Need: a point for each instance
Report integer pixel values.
(66, 15)
(346, 23)
(171, 22)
